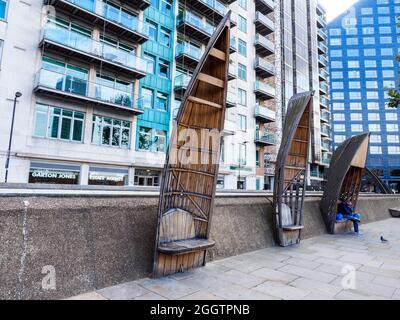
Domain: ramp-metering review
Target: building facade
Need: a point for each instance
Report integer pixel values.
(102, 82)
(363, 43)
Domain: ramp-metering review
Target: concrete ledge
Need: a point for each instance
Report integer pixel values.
(95, 241)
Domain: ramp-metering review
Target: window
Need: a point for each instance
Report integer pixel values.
(376, 138)
(339, 138)
(393, 149)
(336, 42)
(388, 73)
(339, 128)
(153, 140)
(387, 52)
(369, 40)
(352, 41)
(243, 4)
(373, 106)
(242, 95)
(369, 52)
(355, 106)
(57, 123)
(339, 117)
(165, 36)
(375, 149)
(357, 128)
(336, 53)
(355, 95)
(371, 74)
(242, 72)
(1, 50)
(338, 106)
(336, 64)
(385, 30)
(354, 64)
(393, 139)
(392, 127)
(386, 40)
(354, 85)
(356, 117)
(3, 9)
(147, 98)
(242, 122)
(166, 7)
(161, 101)
(337, 75)
(366, 11)
(370, 63)
(353, 53)
(242, 24)
(367, 20)
(372, 95)
(152, 30)
(163, 68)
(373, 117)
(374, 127)
(368, 30)
(372, 84)
(337, 95)
(151, 62)
(335, 32)
(390, 116)
(354, 74)
(337, 85)
(111, 132)
(242, 47)
(387, 63)
(242, 154)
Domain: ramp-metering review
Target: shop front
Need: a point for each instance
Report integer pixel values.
(53, 173)
(149, 178)
(108, 176)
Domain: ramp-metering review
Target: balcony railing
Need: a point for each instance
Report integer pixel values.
(324, 101)
(182, 81)
(264, 113)
(216, 5)
(264, 65)
(265, 6)
(84, 44)
(264, 24)
(323, 74)
(108, 12)
(323, 87)
(321, 34)
(322, 47)
(264, 89)
(266, 45)
(326, 116)
(233, 45)
(189, 50)
(265, 138)
(193, 20)
(326, 158)
(323, 60)
(77, 87)
(326, 130)
(326, 145)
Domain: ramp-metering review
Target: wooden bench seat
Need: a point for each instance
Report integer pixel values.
(292, 227)
(395, 212)
(185, 246)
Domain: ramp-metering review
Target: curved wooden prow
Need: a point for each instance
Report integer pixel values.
(344, 179)
(291, 171)
(191, 170)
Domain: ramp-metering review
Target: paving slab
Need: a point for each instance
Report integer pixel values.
(313, 270)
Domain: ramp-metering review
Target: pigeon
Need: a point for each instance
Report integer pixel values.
(383, 239)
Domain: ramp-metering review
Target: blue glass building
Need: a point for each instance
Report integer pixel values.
(363, 44)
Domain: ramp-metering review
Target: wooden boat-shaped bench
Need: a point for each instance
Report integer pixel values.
(291, 171)
(188, 187)
(344, 179)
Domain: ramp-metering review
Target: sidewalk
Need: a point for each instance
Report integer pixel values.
(312, 270)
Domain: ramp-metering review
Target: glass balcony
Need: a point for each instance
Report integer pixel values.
(181, 83)
(266, 138)
(324, 102)
(229, 128)
(264, 115)
(325, 116)
(323, 88)
(191, 24)
(265, 6)
(233, 45)
(232, 71)
(323, 61)
(264, 91)
(264, 68)
(264, 25)
(231, 100)
(188, 55)
(326, 130)
(321, 35)
(326, 158)
(321, 21)
(322, 48)
(96, 11)
(72, 86)
(264, 46)
(64, 40)
(323, 74)
(326, 145)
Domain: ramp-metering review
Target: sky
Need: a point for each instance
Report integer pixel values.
(336, 7)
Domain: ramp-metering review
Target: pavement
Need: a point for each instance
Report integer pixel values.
(328, 267)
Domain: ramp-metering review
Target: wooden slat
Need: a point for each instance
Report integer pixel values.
(205, 102)
(218, 54)
(191, 171)
(211, 80)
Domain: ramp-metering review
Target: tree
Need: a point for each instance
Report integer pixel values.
(394, 94)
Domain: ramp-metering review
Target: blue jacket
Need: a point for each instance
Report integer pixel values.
(345, 209)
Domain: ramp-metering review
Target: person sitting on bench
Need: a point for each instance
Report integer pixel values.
(347, 211)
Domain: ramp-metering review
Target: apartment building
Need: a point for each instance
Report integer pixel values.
(363, 43)
(102, 82)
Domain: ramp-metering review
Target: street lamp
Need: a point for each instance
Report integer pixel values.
(240, 162)
(17, 95)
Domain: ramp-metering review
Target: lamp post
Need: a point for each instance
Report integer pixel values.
(240, 162)
(17, 95)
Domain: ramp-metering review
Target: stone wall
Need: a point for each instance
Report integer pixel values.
(94, 242)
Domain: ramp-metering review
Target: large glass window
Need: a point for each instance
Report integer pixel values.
(242, 97)
(242, 47)
(152, 139)
(163, 68)
(241, 122)
(165, 37)
(152, 30)
(3, 9)
(113, 90)
(57, 123)
(242, 24)
(111, 132)
(242, 72)
(162, 101)
(166, 7)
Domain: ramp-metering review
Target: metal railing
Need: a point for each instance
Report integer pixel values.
(266, 136)
(263, 87)
(76, 85)
(79, 42)
(109, 12)
(263, 41)
(195, 21)
(188, 49)
(265, 20)
(263, 64)
(264, 112)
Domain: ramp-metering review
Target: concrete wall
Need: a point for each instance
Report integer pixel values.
(94, 242)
